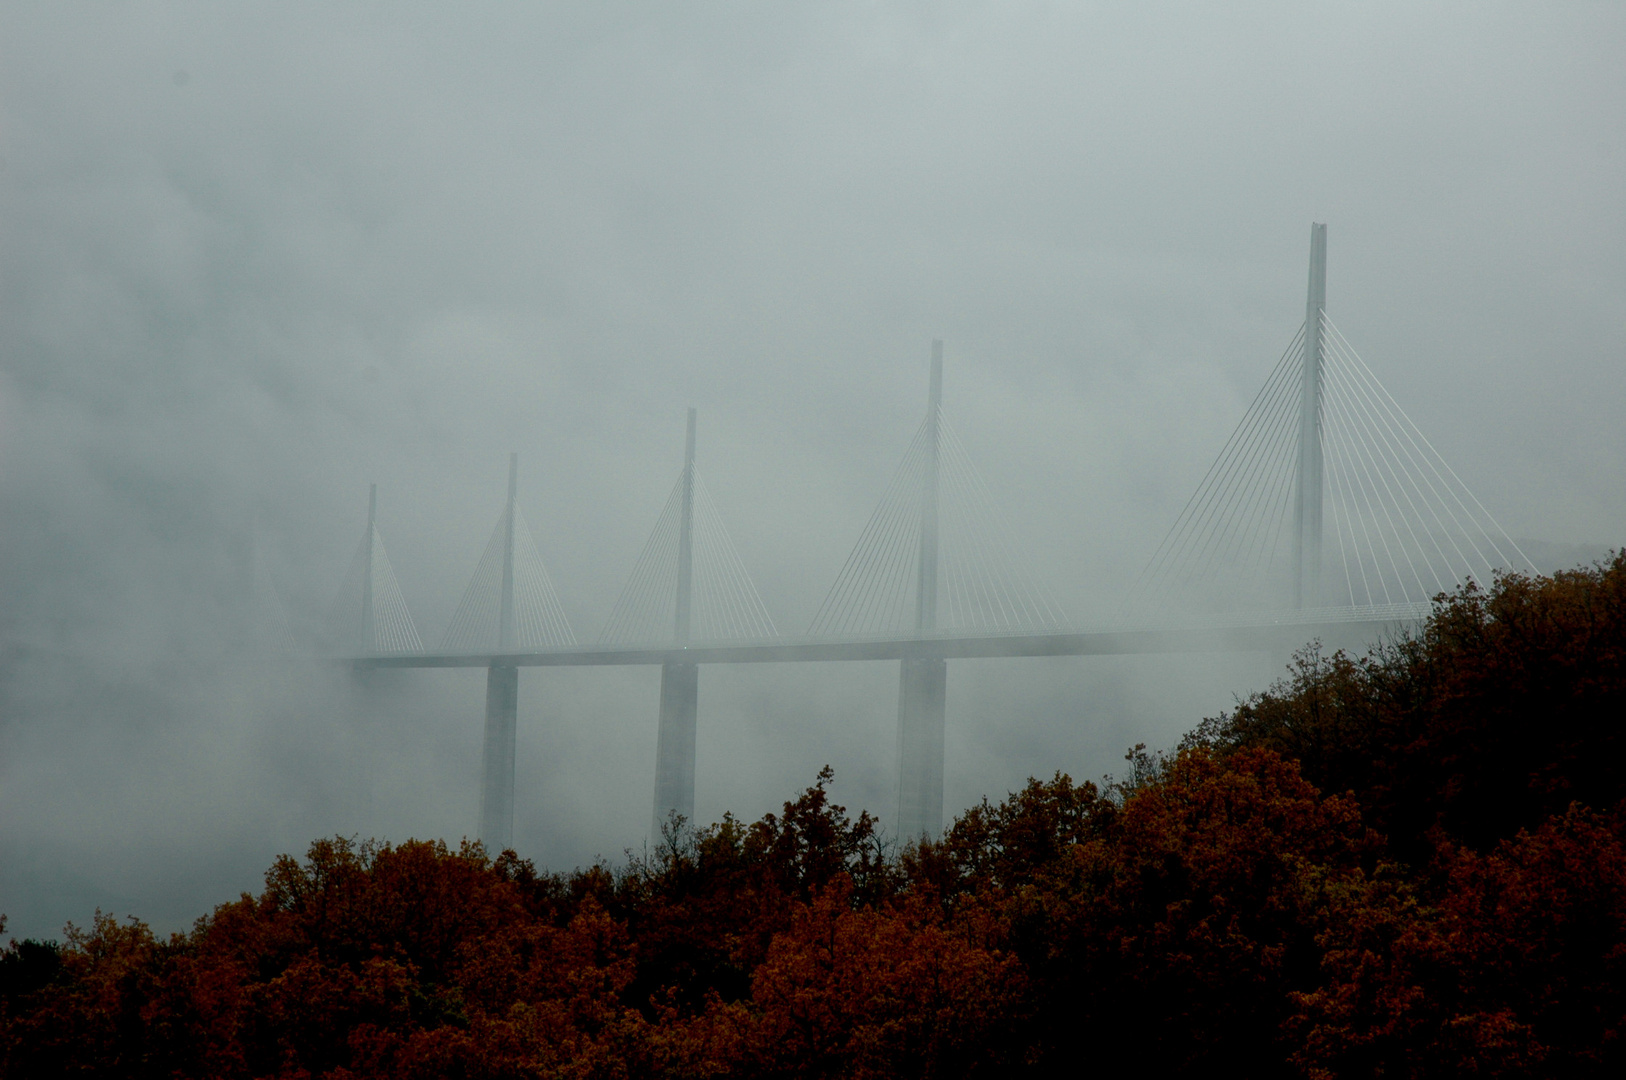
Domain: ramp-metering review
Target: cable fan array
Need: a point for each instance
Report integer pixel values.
(537, 619)
(372, 616)
(725, 604)
(983, 583)
(1399, 525)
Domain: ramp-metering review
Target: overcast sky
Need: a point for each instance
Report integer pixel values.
(256, 256)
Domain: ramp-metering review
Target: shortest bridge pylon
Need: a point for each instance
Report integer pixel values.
(371, 616)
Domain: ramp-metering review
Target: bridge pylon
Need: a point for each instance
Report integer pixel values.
(688, 589)
(368, 635)
(935, 561)
(1327, 500)
(371, 617)
(1307, 509)
(509, 608)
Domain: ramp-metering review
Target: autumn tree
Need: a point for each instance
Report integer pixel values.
(1498, 713)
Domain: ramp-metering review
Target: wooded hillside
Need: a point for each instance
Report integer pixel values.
(1404, 864)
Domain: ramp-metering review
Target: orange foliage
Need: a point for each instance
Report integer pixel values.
(1517, 966)
(1456, 905)
(880, 993)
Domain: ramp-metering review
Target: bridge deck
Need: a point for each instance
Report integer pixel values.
(1260, 636)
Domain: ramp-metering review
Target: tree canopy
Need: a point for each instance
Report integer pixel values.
(1409, 863)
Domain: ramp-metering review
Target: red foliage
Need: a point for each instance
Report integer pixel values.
(1518, 966)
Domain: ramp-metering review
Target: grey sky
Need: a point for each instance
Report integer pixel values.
(255, 256)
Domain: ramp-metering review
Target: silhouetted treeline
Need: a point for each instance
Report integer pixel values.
(1405, 865)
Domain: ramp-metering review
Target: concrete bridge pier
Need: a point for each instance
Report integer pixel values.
(923, 683)
(680, 683)
(674, 744)
(497, 786)
(502, 701)
(922, 697)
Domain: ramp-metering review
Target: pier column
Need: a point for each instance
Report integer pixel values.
(922, 684)
(674, 744)
(497, 788)
(922, 696)
(680, 683)
(502, 701)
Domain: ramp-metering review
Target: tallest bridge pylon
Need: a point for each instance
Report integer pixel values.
(1326, 499)
(1307, 502)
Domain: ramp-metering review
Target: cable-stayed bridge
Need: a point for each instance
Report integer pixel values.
(1326, 514)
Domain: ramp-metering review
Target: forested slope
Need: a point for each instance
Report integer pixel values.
(1404, 864)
